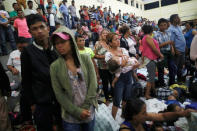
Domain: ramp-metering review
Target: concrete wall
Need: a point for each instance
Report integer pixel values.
(186, 10)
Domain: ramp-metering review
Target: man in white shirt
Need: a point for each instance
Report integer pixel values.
(51, 20)
(14, 62)
(30, 9)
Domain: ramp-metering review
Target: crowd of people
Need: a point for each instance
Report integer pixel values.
(60, 64)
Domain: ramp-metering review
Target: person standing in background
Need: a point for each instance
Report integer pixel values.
(53, 7)
(51, 20)
(20, 25)
(30, 9)
(5, 90)
(5, 31)
(41, 5)
(179, 43)
(163, 36)
(13, 14)
(73, 14)
(64, 10)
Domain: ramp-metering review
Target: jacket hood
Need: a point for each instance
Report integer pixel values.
(64, 29)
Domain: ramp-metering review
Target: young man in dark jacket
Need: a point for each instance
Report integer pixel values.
(36, 82)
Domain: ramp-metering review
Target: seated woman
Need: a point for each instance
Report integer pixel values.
(135, 115)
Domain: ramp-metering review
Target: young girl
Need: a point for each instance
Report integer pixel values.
(74, 83)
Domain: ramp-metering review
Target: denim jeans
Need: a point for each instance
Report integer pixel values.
(66, 20)
(123, 88)
(79, 127)
(73, 21)
(6, 32)
(168, 59)
(180, 61)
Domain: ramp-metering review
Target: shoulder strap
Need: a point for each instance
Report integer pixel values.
(129, 125)
(122, 128)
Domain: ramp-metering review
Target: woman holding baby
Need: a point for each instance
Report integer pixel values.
(123, 66)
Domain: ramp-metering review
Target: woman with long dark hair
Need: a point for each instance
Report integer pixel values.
(74, 83)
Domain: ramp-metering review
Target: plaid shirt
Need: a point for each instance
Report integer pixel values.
(163, 93)
(163, 37)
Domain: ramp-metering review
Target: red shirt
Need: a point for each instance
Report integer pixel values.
(44, 18)
(101, 13)
(41, 2)
(86, 17)
(117, 17)
(94, 25)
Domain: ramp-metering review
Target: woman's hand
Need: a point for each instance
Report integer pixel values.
(15, 71)
(161, 56)
(85, 114)
(187, 113)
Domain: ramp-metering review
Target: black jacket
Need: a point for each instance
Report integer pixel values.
(124, 44)
(5, 84)
(35, 70)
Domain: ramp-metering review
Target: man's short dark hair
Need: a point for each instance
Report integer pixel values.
(78, 36)
(38, 8)
(172, 17)
(14, 4)
(29, 2)
(147, 29)
(162, 20)
(34, 18)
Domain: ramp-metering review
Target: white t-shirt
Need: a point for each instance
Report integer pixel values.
(29, 12)
(52, 20)
(131, 44)
(14, 60)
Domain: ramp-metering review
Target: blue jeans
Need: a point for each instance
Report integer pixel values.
(6, 32)
(123, 88)
(66, 20)
(180, 61)
(79, 127)
(169, 60)
(73, 21)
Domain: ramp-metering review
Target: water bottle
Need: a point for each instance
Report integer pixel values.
(187, 83)
(100, 87)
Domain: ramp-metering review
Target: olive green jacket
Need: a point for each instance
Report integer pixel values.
(62, 86)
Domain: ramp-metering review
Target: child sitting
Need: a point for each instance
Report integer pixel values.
(117, 66)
